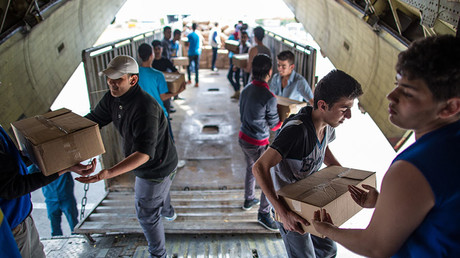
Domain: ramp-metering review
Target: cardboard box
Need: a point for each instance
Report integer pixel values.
(326, 189)
(58, 140)
(240, 60)
(180, 61)
(288, 106)
(174, 81)
(232, 45)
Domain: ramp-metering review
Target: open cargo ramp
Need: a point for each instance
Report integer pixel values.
(208, 191)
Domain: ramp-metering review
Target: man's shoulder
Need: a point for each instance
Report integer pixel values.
(296, 77)
(152, 71)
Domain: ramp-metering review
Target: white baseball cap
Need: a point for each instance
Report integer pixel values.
(120, 66)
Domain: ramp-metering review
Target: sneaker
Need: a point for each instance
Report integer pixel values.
(172, 218)
(249, 203)
(178, 98)
(189, 82)
(236, 95)
(196, 84)
(181, 163)
(266, 220)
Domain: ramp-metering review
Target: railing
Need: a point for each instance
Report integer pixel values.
(305, 56)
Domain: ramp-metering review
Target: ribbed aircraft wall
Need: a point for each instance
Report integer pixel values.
(352, 46)
(35, 66)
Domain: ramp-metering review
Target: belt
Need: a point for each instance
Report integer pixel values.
(160, 180)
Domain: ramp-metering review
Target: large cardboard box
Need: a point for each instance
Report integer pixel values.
(240, 60)
(180, 61)
(288, 106)
(326, 189)
(232, 45)
(58, 139)
(174, 81)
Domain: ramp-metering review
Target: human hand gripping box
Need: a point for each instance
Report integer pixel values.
(326, 189)
(58, 140)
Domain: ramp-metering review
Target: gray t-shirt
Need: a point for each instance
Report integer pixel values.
(302, 155)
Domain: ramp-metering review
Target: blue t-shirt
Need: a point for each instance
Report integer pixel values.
(8, 246)
(194, 44)
(15, 210)
(154, 83)
(174, 48)
(436, 155)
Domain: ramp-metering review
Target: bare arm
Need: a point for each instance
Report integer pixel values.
(261, 171)
(129, 163)
(252, 53)
(329, 158)
(404, 201)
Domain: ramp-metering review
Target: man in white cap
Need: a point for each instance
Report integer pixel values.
(149, 150)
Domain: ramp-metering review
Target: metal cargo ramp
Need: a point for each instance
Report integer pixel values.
(209, 191)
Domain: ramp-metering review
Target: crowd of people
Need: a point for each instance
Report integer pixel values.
(414, 212)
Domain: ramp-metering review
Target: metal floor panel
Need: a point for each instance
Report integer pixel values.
(135, 245)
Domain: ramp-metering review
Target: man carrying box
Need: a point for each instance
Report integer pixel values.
(15, 188)
(287, 83)
(416, 213)
(149, 149)
(258, 114)
(299, 150)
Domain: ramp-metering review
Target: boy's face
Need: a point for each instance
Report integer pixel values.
(412, 105)
(285, 68)
(157, 51)
(244, 38)
(167, 34)
(120, 86)
(336, 114)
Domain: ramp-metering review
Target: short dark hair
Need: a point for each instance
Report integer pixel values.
(334, 86)
(194, 26)
(243, 32)
(259, 33)
(156, 43)
(436, 61)
(286, 55)
(261, 65)
(177, 32)
(165, 28)
(144, 51)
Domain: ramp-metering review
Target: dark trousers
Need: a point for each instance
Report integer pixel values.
(214, 58)
(234, 77)
(196, 62)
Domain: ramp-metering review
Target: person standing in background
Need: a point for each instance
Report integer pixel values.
(194, 52)
(166, 42)
(214, 41)
(287, 83)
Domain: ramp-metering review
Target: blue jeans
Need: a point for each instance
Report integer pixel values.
(55, 210)
(307, 245)
(196, 61)
(150, 198)
(251, 154)
(234, 77)
(214, 58)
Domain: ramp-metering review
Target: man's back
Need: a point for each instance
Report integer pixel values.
(153, 82)
(194, 44)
